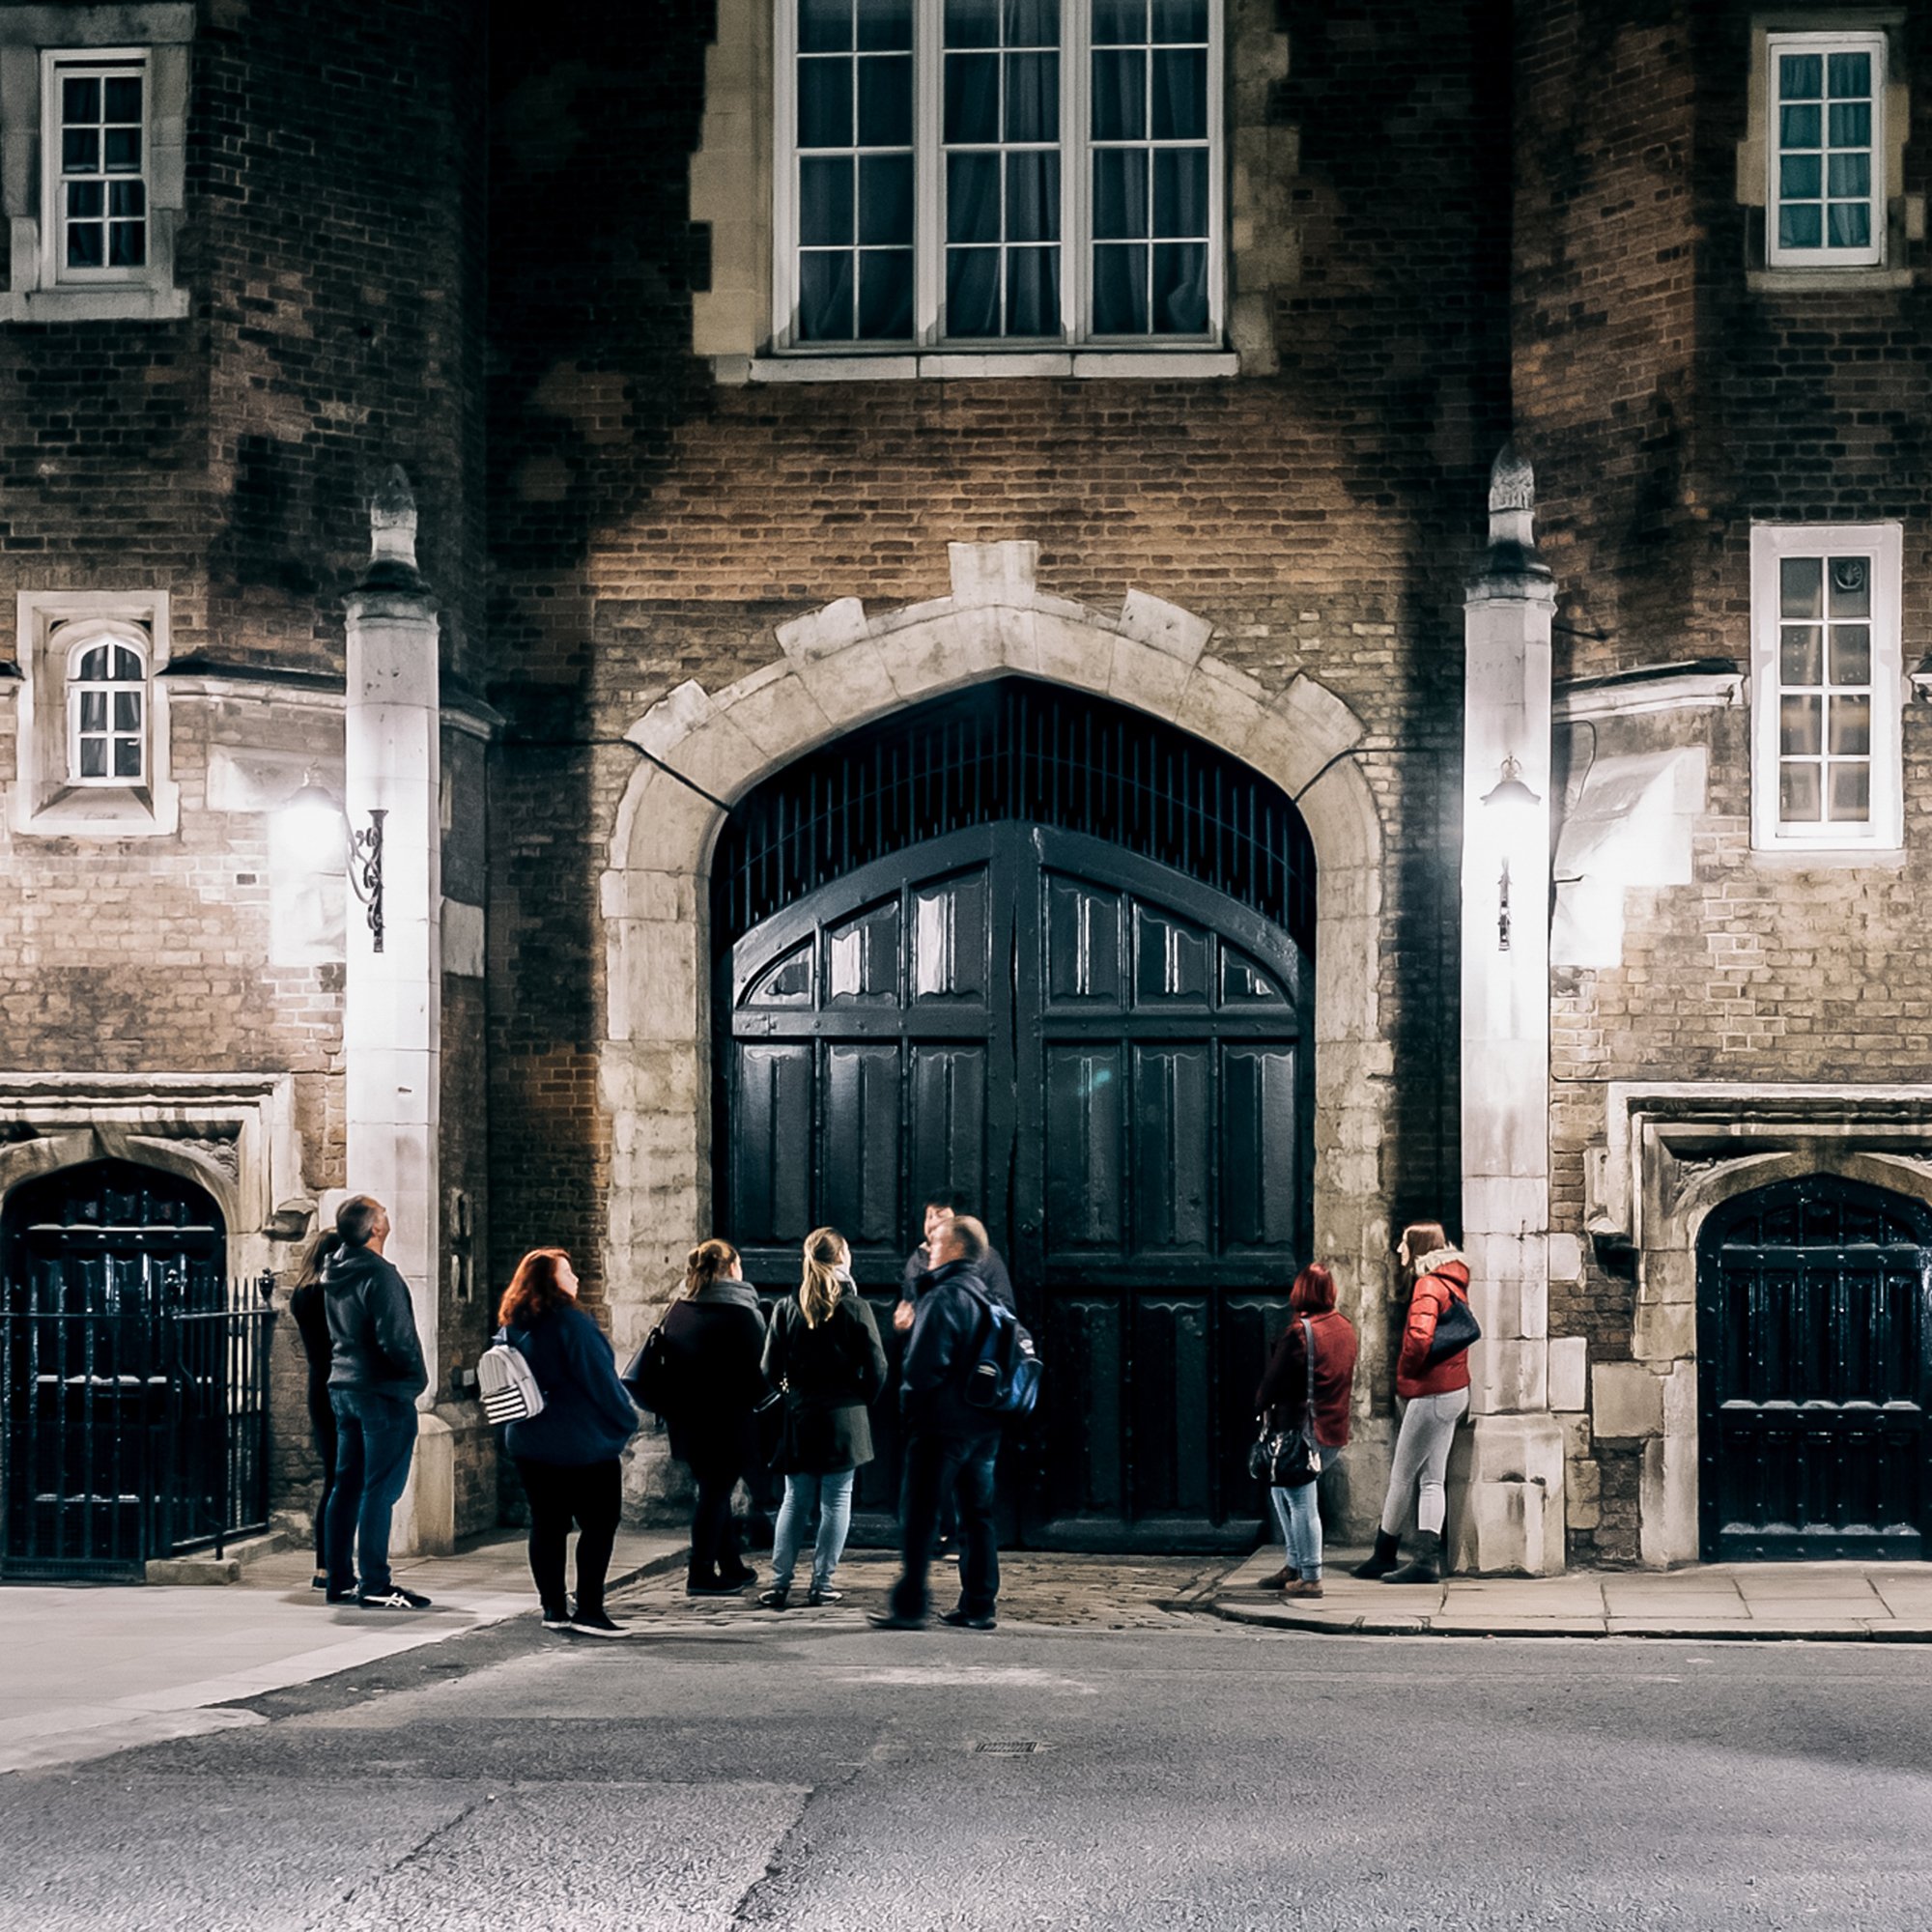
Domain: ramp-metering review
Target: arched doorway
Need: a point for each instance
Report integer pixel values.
(1815, 1337)
(1027, 944)
(119, 1356)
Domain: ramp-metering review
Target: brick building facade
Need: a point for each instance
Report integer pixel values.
(684, 533)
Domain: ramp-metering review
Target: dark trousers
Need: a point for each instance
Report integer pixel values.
(715, 1556)
(934, 1468)
(590, 1494)
(322, 1426)
(377, 1436)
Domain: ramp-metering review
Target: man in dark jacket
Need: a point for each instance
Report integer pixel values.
(950, 1447)
(374, 1380)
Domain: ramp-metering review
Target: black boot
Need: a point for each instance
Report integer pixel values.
(1425, 1566)
(1383, 1561)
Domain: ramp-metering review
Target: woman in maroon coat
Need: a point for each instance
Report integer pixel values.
(1283, 1397)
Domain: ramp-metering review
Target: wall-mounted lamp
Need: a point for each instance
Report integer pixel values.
(1513, 801)
(323, 835)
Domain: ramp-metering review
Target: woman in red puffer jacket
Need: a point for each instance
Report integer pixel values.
(1436, 1397)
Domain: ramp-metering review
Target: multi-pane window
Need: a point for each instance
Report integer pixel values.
(1148, 129)
(1826, 154)
(982, 172)
(100, 140)
(1002, 179)
(855, 170)
(107, 688)
(1826, 678)
(1824, 689)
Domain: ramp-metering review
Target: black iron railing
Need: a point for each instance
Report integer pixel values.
(134, 1429)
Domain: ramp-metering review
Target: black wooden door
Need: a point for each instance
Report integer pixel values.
(1815, 1318)
(1110, 1059)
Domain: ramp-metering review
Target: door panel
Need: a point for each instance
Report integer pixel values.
(1103, 1054)
(1813, 1370)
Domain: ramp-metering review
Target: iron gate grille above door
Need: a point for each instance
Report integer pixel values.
(1015, 748)
(1814, 1369)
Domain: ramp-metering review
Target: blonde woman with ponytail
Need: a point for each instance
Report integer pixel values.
(713, 1336)
(824, 1351)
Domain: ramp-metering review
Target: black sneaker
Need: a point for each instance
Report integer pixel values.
(352, 1594)
(891, 1620)
(959, 1620)
(557, 1620)
(813, 1597)
(594, 1623)
(394, 1598)
(716, 1589)
(775, 1600)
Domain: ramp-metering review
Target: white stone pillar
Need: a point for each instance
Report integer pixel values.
(392, 1004)
(1508, 1517)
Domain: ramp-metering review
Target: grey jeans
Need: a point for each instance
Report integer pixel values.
(1422, 1456)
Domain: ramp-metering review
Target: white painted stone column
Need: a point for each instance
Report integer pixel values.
(1508, 1517)
(393, 1005)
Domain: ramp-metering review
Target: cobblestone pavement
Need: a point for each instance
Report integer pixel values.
(1057, 1591)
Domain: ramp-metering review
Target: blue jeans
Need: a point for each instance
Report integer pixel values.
(831, 1494)
(936, 1466)
(376, 1438)
(1297, 1515)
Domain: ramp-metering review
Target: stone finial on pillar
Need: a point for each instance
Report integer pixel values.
(1512, 517)
(392, 530)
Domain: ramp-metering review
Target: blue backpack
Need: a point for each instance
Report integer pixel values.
(1004, 1376)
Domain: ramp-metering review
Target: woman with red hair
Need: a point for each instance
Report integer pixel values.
(568, 1453)
(1321, 1332)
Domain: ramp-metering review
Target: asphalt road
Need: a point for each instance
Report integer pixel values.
(823, 1776)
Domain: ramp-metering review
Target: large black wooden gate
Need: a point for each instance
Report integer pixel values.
(1111, 1055)
(135, 1377)
(1814, 1320)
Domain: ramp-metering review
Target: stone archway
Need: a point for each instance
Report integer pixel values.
(839, 670)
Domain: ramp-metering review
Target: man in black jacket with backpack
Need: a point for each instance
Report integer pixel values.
(950, 1446)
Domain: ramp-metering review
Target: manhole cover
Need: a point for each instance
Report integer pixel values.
(1007, 1747)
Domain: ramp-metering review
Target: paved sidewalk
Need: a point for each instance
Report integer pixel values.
(97, 1669)
(1891, 1602)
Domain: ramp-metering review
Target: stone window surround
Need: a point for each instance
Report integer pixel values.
(1883, 831)
(731, 195)
(840, 668)
(45, 804)
(1905, 213)
(232, 1133)
(1673, 1152)
(28, 35)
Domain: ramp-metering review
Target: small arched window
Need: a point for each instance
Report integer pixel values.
(108, 712)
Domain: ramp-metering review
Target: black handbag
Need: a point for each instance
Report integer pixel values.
(648, 1376)
(1455, 1330)
(1289, 1459)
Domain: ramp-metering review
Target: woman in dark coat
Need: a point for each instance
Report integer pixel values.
(715, 1340)
(568, 1454)
(312, 1324)
(824, 1350)
(1283, 1397)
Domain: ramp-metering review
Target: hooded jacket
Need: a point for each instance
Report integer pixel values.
(1440, 1276)
(372, 1327)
